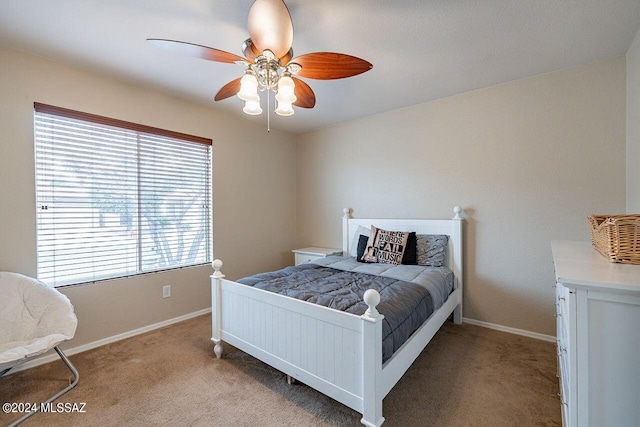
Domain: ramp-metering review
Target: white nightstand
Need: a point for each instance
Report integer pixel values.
(309, 254)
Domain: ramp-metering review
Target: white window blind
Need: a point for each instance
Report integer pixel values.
(116, 198)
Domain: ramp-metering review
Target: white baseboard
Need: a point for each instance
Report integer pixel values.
(516, 331)
(79, 349)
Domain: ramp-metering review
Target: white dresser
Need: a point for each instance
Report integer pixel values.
(598, 330)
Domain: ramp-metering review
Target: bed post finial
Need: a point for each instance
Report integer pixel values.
(217, 266)
(457, 210)
(372, 298)
(347, 213)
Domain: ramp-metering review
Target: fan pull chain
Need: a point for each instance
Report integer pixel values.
(268, 112)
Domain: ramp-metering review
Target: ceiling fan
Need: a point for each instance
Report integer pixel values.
(269, 62)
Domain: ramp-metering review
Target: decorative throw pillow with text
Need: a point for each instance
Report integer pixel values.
(385, 246)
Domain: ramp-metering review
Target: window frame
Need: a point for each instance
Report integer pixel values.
(139, 129)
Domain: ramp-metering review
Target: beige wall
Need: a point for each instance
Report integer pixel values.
(529, 160)
(633, 126)
(251, 169)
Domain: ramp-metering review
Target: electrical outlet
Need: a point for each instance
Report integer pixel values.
(166, 291)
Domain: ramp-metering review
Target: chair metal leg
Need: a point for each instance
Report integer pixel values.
(76, 377)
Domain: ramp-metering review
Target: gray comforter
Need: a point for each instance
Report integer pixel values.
(438, 280)
(404, 304)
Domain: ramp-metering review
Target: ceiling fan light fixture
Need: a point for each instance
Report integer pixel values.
(249, 88)
(284, 109)
(286, 88)
(269, 62)
(252, 108)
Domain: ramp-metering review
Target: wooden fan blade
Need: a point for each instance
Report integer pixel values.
(197, 50)
(329, 65)
(270, 26)
(305, 96)
(230, 89)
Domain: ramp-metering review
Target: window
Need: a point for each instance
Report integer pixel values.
(115, 198)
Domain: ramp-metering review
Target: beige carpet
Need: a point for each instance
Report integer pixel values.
(467, 376)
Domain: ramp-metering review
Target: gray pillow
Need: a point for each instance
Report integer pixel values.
(431, 249)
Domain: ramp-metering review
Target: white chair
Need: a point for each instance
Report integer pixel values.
(34, 318)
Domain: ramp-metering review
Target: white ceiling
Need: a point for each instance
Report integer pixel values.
(421, 50)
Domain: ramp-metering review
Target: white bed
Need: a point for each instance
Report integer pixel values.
(336, 353)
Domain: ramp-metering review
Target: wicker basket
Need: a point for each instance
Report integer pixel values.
(617, 237)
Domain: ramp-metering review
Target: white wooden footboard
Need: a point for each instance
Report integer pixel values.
(336, 353)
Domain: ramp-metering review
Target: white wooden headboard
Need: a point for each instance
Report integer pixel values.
(450, 227)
